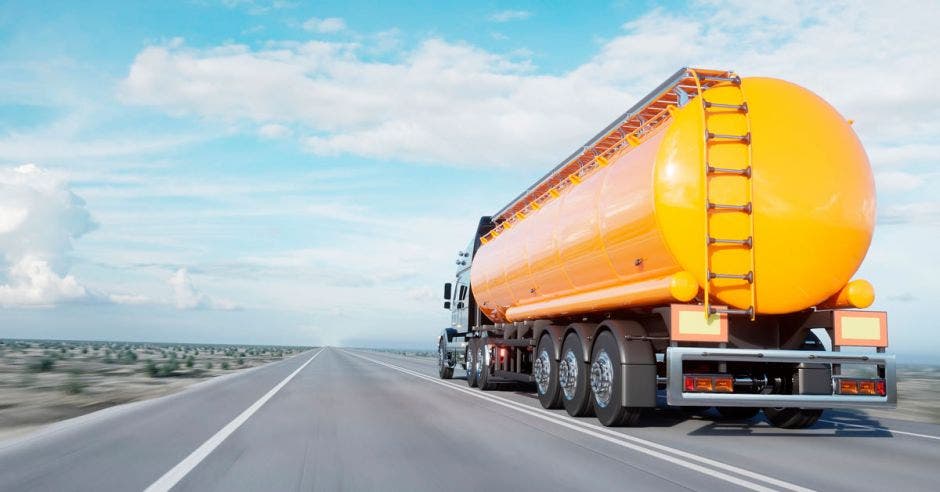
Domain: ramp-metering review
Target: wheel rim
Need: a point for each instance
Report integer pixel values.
(602, 377)
(478, 363)
(440, 357)
(568, 375)
(543, 371)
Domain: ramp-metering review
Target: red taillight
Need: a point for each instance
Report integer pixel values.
(864, 387)
(502, 353)
(708, 384)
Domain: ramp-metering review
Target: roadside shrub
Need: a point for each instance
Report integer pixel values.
(42, 364)
(163, 370)
(225, 365)
(84, 350)
(128, 357)
(190, 361)
(74, 384)
(241, 361)
(208, 365)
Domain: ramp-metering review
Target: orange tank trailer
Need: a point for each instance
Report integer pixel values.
(632, 233)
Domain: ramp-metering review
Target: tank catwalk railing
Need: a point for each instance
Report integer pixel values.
(628, 131)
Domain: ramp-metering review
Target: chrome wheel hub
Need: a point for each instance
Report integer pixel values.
(542, 370)
(602, 378)
(481, 361)
(568, 374)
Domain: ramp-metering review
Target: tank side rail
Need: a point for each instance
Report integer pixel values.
(676, 396)
(509, 342)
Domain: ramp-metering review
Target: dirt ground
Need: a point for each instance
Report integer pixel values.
(918, 395)
(44, 381)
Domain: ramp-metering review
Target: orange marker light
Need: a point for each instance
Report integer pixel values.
(703, 384)
(866, 387)
(848, 387)
(724, 385)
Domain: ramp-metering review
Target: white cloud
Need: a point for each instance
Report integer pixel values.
(328, 25)
(273, 130)
(129, 299)
(897, 181)
(509, 15)
(187, 296)
(39, 218)
(453, 103)
(444, 102)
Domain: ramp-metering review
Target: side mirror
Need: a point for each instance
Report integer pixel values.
(446, 304)
(447, 289)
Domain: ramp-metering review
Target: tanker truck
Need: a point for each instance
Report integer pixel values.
(700, 249)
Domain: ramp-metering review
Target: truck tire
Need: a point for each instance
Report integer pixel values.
(792, 418)
(737, 413)
(471, 367)
(545, 371)
(607, 384)
(444, 369)
(797, 418)
(484, 379)
(575, 379)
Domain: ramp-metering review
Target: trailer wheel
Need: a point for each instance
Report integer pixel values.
(607, 384)
(470, 357)
(444, 369)
(796, 418)
(545, 371)
(484, 359)
(792, 418)
(737, 413)
(575, 379)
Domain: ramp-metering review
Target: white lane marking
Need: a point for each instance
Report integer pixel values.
(619, 435)
(870, 427)
(614, 437)
(172, 477)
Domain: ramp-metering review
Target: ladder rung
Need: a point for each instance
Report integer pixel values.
(734, 80)
(737, 107)
(746, 208)
(749, 276)
(748, 312)
(744, 242)
(725, 170)
(746, 138)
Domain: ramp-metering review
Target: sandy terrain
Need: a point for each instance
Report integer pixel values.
(918, 395)
(46, 381)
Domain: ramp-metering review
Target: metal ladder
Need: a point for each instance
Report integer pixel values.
(711, 170)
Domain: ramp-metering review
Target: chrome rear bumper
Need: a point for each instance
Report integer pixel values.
(675, 394)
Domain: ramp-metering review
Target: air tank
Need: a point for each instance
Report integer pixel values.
(634, 233)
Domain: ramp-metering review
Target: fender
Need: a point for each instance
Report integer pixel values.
(632, 351)
(638, 370)
(585, 332)
(556, 332)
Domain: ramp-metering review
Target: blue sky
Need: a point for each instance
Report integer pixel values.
(289, 172)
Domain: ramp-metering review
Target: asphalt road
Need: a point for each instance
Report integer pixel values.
(346, 420)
